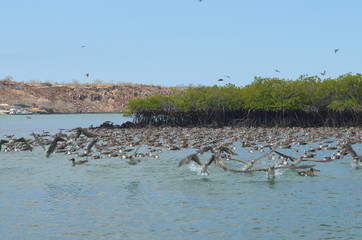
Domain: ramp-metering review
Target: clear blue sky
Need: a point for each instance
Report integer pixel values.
(178, 42)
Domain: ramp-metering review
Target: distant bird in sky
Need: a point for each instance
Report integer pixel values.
(336, 50)
(277, 70)
(323, 73)
(220, 80)
(87, 74)
(227, 76)
(200, 0)
(82, 45)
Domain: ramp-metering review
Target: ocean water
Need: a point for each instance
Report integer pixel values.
(47, 198)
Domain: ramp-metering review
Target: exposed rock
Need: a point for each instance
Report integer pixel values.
(76, 98)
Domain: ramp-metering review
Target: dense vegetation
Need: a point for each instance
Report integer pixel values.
(307, 101)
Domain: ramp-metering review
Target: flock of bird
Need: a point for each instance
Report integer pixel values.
(278, 71)
(279, 148)
(322, 73)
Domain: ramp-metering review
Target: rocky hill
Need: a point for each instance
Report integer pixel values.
(76, 98)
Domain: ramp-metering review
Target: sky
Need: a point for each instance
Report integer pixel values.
(178, 42)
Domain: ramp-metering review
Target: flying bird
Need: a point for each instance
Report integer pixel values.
(336, 50)
(87, 74)
(194, 157)
(2, 142)
(323, 73)
(85, 132)
(205, 149)
(357, 159)
(249, 165)
(53, 145)
(295, 161)
(91, 144)
(277, 70)
(23, 140)
(309, 172)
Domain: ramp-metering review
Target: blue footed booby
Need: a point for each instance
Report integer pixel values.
(194, 157)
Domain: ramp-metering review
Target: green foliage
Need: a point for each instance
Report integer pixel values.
(307, 93)
(48, 84)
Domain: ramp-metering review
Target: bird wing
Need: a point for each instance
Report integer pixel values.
(312, 160)
(217, 159)
(264, 155)
(286, 156)
(23, 140)
(296, 167)
(188, 159)
(2, 142)
(79, 132)
(238, 160)
(251, 170)
(53, 145)
(91, 144)
(88, 133)
(350, 150)
(226, 149)
(37, 140)
(205, 149)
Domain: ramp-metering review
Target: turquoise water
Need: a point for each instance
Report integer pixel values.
(47, 198)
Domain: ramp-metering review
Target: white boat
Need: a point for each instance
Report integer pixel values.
(4, 112)
(14, 111)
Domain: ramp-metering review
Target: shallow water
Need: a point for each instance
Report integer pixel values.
(47, 198)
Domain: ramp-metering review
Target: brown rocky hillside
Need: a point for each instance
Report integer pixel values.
(76, 98)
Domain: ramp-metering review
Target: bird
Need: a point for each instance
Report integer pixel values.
(277, 70)
(356, 158)
(87, 74)
(23, 140)
(205, 149)
(270, 169)
(2, 141)
(133, 161)
(336, 50)
(227, 76)
(295, 161)
(220, 80)
(194, 157)
(91, 144)
(249, 165)
(85, 132)
(53, 145)
(323, 73)
(88, 148)
(77, 162)
(309, 172)
(226, 149)
(37, 140)
(271, 172)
